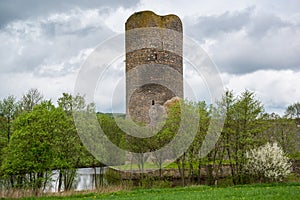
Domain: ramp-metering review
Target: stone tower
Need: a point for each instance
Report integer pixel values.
(154, 72)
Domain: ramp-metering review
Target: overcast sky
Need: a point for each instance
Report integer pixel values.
(254, 44)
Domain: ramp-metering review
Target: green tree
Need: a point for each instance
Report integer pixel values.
(292, 133)
(243, 128)
(29, 157)
(70, 103)
(225, 107)
(283, 131)
(8, 112)
(70, 151)
(247, 126)
(194, 156)
(181, 126)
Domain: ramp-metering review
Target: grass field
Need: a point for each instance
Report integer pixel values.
(264, 191)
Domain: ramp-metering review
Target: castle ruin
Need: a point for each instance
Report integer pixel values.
(154, 71)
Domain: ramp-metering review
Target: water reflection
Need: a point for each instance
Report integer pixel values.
(86, 179)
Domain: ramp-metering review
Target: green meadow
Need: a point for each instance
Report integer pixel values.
(257, 191)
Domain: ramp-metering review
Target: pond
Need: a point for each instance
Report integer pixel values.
(85, 179)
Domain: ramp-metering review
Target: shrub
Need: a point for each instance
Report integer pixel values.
(268, 162)
(152, 182)
(112, 177)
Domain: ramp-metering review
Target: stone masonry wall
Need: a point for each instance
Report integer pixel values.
(154, 72)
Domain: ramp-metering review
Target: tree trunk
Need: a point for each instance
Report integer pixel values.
(181, 168)
(59, 181)
(199, 172)
(95, 177)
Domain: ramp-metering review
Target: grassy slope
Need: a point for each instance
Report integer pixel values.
(279, 191)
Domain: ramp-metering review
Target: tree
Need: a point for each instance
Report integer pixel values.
(268, 162)
(247, 118)
(242, 129)
(194, 156)
(293, 111)
(8, 112)
(181, 126)
(70, 103)
(29, 157)
(70, 150)
(283, 131)
(30, 99)
(43, 139)
(66, 102)
(138, 146)
(225, 107)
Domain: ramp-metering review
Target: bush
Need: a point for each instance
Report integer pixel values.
(153, 182)
(112, 177)
(268, 162)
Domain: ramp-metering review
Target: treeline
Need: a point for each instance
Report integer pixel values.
(246, 127)
(37, 137)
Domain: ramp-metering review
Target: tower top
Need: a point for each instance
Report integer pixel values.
(145, 19)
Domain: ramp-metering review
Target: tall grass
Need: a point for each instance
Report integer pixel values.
(257, 191)
(31, 194)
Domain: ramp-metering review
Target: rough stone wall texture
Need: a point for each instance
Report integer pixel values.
(154, 72)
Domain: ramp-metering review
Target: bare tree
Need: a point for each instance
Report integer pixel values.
(30, 99)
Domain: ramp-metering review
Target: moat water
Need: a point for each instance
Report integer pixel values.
(84, 180)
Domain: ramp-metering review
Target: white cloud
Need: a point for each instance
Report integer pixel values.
(275, 89)
(185, 8)
(19, 83)
(249, 40)
(46, 52)
(53, 40)
(115, 19)
(255, 44)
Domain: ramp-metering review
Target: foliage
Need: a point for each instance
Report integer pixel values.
(283, 131)
(37, 137)
(8, 112)
(152, 182)
(71, 154)
(269, 162)
(293, 111)
(112, 177)
(30, 99)
(241, 130)
(30, 154)
(43, 139)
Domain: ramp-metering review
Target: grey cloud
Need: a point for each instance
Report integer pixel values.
(249, 40)
(262, 24)
(212, 26)
(33, 45)
(22, 9)
(255, 24)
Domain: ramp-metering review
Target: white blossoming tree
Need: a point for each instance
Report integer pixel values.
(268, 162)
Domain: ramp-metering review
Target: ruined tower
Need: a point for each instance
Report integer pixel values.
(154, 72)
